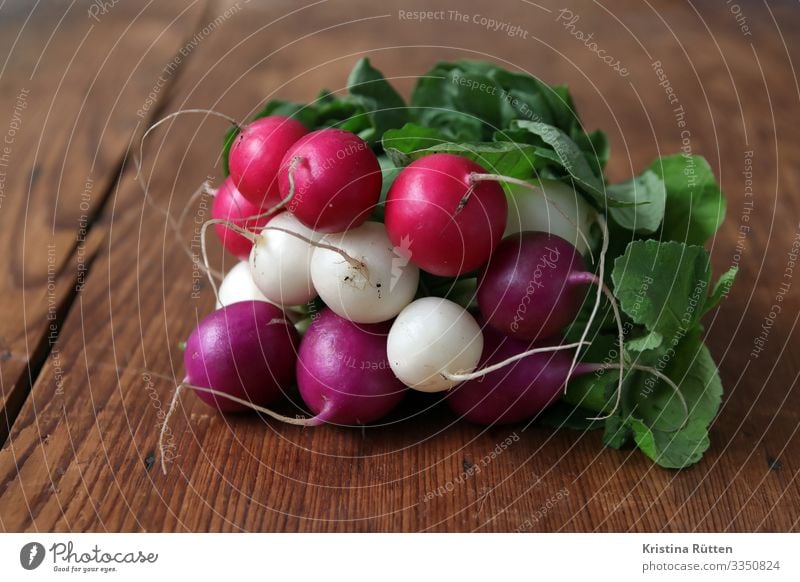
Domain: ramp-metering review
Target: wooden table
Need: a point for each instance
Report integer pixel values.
(97, 295)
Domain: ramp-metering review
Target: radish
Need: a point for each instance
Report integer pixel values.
(239, 357)
(230, 206)
(255, 157)
(238, 286)
(343, 373)
(330, 179)
(450, 222)
(533, 286)
(373, 289)
(280, 263)
(430, 338)
(552, 207)
(532, 381)
(512, 394)
(247, 350)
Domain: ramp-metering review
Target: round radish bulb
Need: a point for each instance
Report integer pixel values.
(256, 155)
(280, 264)
(247, 350)
(376, 289)
(517, 392)
(238, 286)
(342, 371)
(432, 336)
(428, 212)
(533, 286)
(555, 207)
(230, 205)
(337, 180)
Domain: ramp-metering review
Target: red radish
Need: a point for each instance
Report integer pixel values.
(450, 222)
(246, 350)
(256, 155)
(332, 180)
(533, 286)
(231, 206)
(343, 373)
(517, 392)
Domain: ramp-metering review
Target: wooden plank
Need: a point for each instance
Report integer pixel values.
(84, 459)
(74, 90)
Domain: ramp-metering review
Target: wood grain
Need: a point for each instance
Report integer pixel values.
(83, 458)
(71, 91)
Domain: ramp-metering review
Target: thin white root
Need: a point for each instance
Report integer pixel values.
(172, 405)
(601, 274)
(499, 365)
(178, 390)
(658, 374)
(256, 407)
(228, 118)
(355, 263)
(288, 198)
(620, 340)
(204, 247)
(480, 177)
(205, 189)
(176, 225)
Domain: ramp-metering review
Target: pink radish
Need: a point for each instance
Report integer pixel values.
(256, 155)
(449, 221)
(331, 180)
(229, 205)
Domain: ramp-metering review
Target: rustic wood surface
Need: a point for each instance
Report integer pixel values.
(80, 412)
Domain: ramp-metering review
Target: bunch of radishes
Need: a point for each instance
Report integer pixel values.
(449, 246)
(297, 208)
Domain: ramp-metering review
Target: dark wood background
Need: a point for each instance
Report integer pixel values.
(85, 370)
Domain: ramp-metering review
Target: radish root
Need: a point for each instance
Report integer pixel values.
(458, 377)
(600, 290)
(313, 421)
(227, 118)
(595, 280)
(288, 198)
(353, 262)
(650, 370)
(254, 238)
(172, 405)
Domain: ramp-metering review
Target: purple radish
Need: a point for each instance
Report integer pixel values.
(246, 350)
(533, 286)
(514, 393)
(343, 373)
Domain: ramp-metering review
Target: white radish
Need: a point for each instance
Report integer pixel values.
(373, 288)
(553, 207)
(280, 263)
(431, 339)
(238, 285)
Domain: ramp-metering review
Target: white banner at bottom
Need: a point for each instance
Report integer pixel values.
(401, 557)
